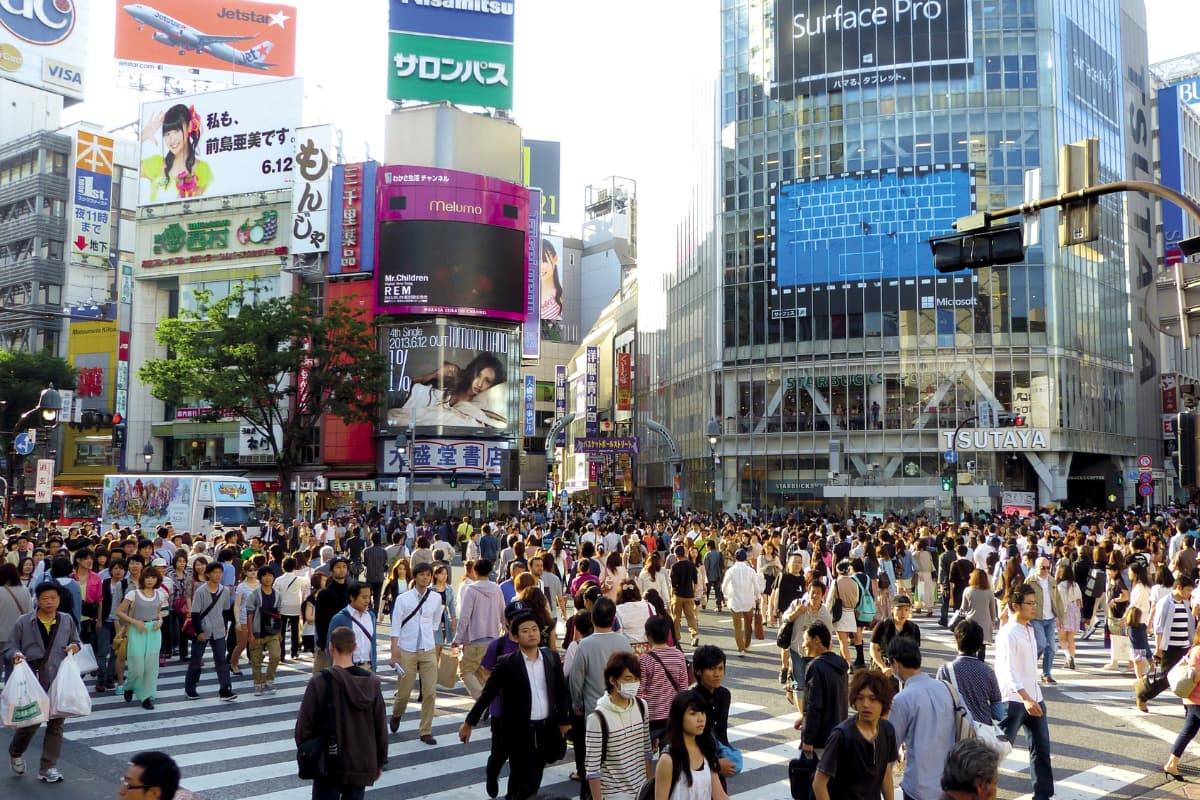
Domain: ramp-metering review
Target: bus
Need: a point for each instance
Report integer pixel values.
(68, 505)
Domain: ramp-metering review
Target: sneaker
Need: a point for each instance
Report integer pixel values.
(269, 688)
(258, 689)
(18, 765)
(230, 695)
(51, 775)
(191, 695)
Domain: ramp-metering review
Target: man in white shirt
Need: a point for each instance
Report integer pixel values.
(417, 611)
(1017, 673)
(742, 587)
(612, 542)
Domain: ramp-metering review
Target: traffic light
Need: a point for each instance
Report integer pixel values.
(1078, 169)
(1186, 431)
(949, 478)
(977, 246)
(453, 481)
(118, 436)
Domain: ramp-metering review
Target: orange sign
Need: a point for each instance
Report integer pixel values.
(207, 36)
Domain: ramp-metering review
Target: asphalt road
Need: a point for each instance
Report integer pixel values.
(1102, 746)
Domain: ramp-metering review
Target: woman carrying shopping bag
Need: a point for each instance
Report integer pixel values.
(142, 610)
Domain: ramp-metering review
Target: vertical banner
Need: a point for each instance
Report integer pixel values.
(1170, 393)
(92, 198)
(624, 385)
(44, 486)
(311, 191)
(352, 234)
(530, 392)
(592, 390)
(560, 400)
(531, 330)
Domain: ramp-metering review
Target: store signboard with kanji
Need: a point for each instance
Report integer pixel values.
(91, 195)
(440, 456)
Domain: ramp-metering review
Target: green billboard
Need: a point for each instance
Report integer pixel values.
(462, 71)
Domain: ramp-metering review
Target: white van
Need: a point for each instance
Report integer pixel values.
(192, 503)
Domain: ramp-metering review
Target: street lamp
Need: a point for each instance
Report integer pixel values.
(714, 436)
(148, 454)
(50, 404)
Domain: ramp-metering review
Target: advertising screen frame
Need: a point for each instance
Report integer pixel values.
(882, 61)
(427, 357)
(47, 47)
(251, 149)
(407, 193)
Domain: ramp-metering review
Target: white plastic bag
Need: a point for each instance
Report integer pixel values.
(23, 702)
(68, 696)
(85, 659)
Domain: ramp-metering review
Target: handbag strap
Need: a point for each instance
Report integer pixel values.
(654, 655)
(413, 613)
(362, 628)
(213, 604)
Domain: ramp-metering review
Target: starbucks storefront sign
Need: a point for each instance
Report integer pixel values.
(996, 439)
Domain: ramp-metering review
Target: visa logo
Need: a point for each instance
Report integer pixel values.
(61, 74)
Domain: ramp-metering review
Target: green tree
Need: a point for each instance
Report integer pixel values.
(22, 378)
(278, 364)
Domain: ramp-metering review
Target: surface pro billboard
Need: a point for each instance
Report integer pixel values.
(832, 45)
(451, 243)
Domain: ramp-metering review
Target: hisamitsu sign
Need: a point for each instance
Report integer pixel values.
(607, 444)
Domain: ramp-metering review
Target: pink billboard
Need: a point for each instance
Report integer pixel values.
(451, 243)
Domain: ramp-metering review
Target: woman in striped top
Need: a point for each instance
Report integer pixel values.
(617, 750)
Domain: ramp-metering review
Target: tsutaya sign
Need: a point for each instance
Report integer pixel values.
(998, 439)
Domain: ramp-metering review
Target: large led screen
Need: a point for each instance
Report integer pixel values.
(452, 243)
(452, 378)
(833, 45)
(864, 225)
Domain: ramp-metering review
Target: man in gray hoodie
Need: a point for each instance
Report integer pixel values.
(586, 679)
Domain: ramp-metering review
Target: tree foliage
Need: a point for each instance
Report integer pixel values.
(22, 378)
(279, 364)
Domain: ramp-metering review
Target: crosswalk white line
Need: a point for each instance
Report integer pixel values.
(1097, 782)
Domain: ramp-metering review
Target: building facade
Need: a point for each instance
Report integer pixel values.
(846, 364)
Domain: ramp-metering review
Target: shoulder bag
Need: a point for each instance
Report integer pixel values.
(1182, 677)
(320, 756)
(189, 627)
(989, 733)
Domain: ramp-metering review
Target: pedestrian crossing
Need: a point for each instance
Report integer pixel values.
(245, 749)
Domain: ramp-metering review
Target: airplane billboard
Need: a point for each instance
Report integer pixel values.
(206, 39)
(215, 144)
(44, 44)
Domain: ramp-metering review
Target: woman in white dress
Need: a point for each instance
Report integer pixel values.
(687, 768)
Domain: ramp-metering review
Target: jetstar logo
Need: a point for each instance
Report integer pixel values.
(244, 16)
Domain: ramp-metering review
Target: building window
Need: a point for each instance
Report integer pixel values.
(310, 451)
(58, 164)
(50, 294)
(54, 251)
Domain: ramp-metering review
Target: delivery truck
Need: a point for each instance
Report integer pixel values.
(194, 503)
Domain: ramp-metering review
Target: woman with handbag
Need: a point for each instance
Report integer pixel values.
(1118, 603)
(1191, 720)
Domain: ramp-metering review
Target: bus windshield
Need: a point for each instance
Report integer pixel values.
(64, 508)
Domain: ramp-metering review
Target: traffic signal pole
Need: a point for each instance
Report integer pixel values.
(954, 474)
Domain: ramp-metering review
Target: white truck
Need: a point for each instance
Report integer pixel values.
(192, 503)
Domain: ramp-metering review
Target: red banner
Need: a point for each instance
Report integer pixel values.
(624, 381)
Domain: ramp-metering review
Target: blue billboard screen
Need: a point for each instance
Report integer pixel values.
(865, 225)
(486, 20)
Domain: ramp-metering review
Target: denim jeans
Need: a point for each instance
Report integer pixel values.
(1191, 726)
(1045, 631)
(197, 658)
(1038, 731)
(106, 659)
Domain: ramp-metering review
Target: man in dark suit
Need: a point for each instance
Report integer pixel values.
(536, 712)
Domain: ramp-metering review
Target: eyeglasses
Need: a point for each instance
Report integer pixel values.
(125, 784)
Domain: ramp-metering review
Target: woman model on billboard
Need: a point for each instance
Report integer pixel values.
(552, 290)
(447, 396)
(177, 174)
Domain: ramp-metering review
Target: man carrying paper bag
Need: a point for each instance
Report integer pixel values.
(42, 638)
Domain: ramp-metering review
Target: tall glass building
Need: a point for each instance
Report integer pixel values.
(849, 132)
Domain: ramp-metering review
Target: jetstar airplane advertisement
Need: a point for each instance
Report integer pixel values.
(205, 38)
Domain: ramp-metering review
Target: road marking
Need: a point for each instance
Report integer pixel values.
(1091, 784)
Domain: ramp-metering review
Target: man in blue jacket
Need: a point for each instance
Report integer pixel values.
(359, 617)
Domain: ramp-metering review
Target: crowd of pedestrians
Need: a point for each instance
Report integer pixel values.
(580, 629)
